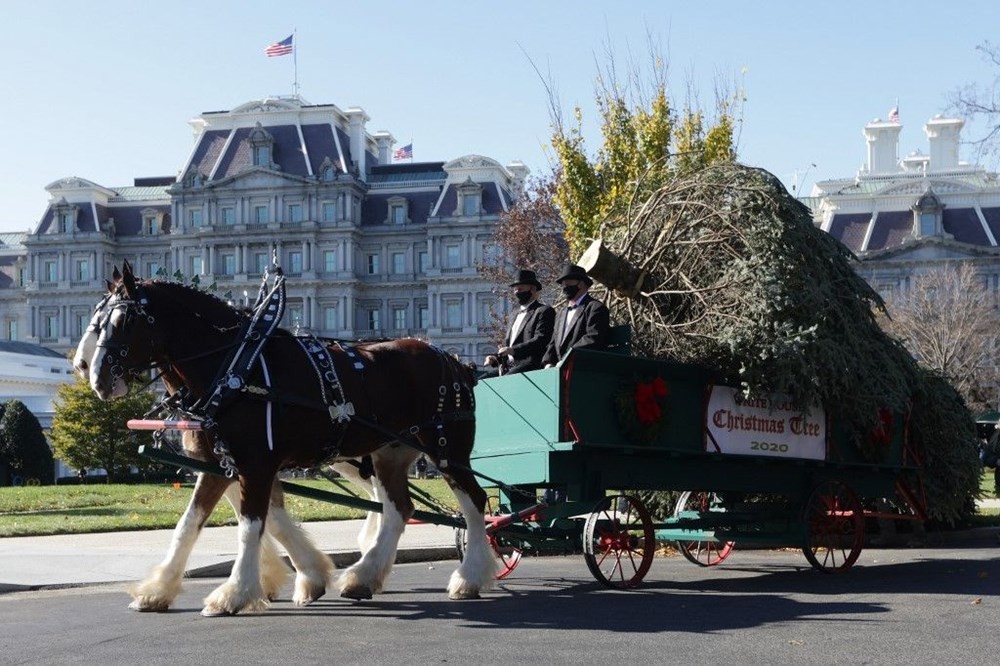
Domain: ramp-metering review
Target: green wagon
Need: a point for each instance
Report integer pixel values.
(585, 435)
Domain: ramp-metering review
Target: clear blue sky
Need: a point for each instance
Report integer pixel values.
(103, 90)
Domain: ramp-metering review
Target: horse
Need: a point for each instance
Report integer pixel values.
(314, 569)
(400, 398)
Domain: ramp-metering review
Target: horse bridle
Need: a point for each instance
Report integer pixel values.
(117, 352)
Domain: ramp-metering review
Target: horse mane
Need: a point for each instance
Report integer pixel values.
(207, 304)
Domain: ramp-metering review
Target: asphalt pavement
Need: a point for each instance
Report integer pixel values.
(67, 560)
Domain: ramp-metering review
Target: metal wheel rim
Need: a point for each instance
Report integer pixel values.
(835, 524)
(618, 542)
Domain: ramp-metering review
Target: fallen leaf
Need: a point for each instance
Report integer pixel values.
(977, 600)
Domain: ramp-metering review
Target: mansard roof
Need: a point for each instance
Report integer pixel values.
(123, 204)
(869, 233)
(11, 241)
(375, 208)
(27, 348)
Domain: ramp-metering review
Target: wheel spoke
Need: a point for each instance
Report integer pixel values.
(702, 553)
(618, 542)
(835, 522)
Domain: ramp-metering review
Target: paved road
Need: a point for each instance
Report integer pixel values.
(896, 606)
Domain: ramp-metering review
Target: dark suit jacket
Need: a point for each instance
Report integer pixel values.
(589, 330)
(528, 346)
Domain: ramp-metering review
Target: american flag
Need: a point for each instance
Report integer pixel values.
(894, 114)
(284, 47)
(404, 153)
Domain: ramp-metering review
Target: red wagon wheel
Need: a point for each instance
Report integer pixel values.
(835, 519)
(702, 553)
(618, 542)
(508, 554)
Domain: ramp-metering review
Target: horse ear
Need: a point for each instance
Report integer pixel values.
(116, 275)
(128, 279)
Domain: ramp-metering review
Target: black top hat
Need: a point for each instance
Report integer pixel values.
(574, 272)
(525, 276)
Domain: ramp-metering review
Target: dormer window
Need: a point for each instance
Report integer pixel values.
(262, 156)
(399, 210)
(152, 221)
(262, 147)
(927, 214)
(326, 171)
(64, 216)
(470, 197)
(193, 178)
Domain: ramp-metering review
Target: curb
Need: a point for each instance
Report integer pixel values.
(340, 559)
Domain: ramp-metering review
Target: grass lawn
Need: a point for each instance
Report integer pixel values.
(73, 509)
(40, 510)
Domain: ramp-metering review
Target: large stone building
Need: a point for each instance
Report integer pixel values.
(371, 248)
(905, 216)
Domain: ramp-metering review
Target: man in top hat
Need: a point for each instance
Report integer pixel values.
(585, 322)
(531, 330)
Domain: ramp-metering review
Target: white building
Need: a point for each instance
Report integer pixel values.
(32, 374)
(904, 216)
(371, 248)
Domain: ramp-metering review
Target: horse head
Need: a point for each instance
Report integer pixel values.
(87, 347)
(120, 336)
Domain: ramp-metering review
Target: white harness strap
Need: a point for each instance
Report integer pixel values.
(267, 383)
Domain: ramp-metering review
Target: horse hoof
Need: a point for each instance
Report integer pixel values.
(311, 594)
(149, 606)
(356, 592)
(464, 594)
(215, 611)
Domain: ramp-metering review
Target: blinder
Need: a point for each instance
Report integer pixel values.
(132, 310)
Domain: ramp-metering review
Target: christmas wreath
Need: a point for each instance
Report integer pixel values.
(876, 447)
(642, 409)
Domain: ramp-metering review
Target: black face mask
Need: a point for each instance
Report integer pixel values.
(523, 297)
(571, 291)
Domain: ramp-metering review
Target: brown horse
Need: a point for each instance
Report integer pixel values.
(400, 398)
(314, 570)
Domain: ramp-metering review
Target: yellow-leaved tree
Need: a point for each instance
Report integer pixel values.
(645, 143)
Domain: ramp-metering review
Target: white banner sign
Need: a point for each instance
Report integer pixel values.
(764, 426)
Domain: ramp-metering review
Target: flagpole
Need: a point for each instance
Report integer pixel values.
(295, 61)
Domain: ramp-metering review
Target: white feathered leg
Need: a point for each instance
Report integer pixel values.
(242, 591)
(480, 565)
(163, 584)
(314, 568)
(367, 576)
(371, 526)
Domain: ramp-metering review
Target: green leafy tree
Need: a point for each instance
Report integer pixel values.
(90, 432)
(644, 145)
(28, 454)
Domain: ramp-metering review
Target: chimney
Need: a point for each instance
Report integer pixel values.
(356, 119)
(519, 174)
(384, 141)
(943, 134)
(883, 146)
